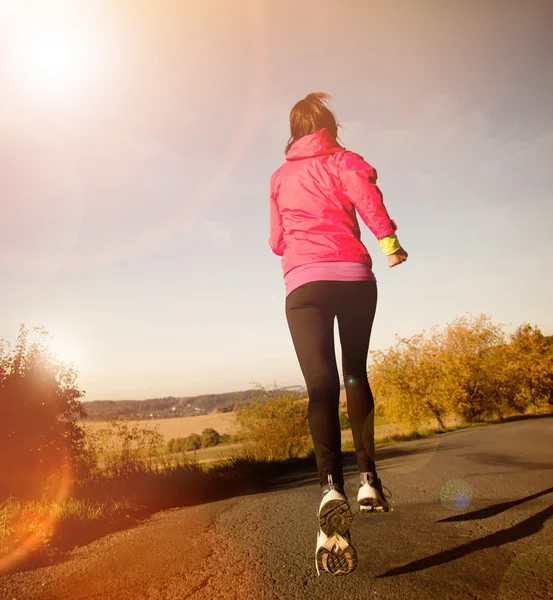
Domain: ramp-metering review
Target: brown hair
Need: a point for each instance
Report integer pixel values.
(309, 115)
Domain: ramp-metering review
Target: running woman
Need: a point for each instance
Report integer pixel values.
(314, 197)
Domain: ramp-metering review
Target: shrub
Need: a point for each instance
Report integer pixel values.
(192, 442)
(275, 429)
(210, 438)
(39, 408)
(124, 448)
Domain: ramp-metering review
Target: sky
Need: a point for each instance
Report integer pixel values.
(137, 140)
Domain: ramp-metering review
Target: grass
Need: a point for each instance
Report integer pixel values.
(105, 504)
(379, 421)
(221, 452)
(35, 524)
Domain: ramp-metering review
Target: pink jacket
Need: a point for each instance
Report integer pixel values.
(314, 195)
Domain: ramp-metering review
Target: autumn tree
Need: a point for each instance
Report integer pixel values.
(469, 346)
(469, 369)
(532, 360)
(501, 383)
(406, 379)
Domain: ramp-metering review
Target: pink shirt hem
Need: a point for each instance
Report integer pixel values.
(327, 271)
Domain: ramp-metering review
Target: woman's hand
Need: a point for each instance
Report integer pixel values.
(397, 258)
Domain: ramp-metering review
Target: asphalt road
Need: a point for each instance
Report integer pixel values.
(471, 519)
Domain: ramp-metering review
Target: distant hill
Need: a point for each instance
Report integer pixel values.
(159, 408)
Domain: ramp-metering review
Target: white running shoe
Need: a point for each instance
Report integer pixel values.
(334, 511)
(335, 554)
(371, 496)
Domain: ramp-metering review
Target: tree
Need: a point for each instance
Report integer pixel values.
(468, 369)
(406, 379)
(502, 382)
(469, 346)
(39, 408)
(210, 437)
(532, 358)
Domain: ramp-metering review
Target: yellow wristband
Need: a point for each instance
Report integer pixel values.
(389, 244)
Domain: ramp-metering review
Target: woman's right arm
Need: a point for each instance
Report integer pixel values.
(358, 180)
(276, 237)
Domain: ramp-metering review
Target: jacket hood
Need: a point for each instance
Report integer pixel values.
(314, 144)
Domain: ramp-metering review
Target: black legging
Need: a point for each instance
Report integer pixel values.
(310, 311)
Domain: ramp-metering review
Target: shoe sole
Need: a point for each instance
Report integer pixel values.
(336, 556)
(373, 506)
(372, 500)
(335, 517)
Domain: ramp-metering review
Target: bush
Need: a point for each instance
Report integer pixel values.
(275, 429)
(39, 408)
(124, 448)
(179, 445)
(210, 438)
(192, 442)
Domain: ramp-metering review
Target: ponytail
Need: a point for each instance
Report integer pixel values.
(310, 115)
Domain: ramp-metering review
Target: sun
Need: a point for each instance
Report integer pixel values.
(5, 6)
(55, 61)
(64, 350)
(56, 58)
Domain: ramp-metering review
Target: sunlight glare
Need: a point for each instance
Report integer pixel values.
(64, 351)
(56, 61)
(5, 6)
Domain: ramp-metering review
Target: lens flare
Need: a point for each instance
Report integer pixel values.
(456, 495)
(31, 537)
